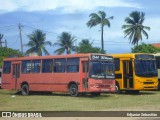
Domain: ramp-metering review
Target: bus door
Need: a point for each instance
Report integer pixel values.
(15, 74)
(85, 65)
(127, 74)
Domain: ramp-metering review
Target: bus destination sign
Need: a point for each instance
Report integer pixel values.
(101, 57)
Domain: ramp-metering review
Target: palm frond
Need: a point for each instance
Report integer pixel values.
(94, 20)
(146, 27)
(45, 51)
(48, 43)
(60, 51)
(145, 33)
(31, 50)
(126, 26)
(111, 18)
(142, 18)
(128, 20)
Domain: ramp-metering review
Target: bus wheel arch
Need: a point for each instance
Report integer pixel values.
(73, 89)
(118, 91)
(24, 88)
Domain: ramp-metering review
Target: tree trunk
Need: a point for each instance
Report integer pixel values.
(102, 42)
(68, 51)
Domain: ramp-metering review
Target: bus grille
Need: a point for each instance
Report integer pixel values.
(148, 82)
(104, 86)
(148, 87)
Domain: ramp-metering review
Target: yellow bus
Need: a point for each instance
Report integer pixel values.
(157, 57)
(135, 72)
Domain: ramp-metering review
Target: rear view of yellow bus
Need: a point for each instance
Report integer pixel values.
(135, 72)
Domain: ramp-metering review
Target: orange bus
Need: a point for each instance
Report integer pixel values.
(74, 73)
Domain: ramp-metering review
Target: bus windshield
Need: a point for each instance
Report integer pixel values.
(102, 70)
(145, 68)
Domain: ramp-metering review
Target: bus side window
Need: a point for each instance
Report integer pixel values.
(7, 67)
(47, 66)
(59, 65)
(26, 66)
(117, 64)
(158, 62)
(73, 65)
(36, 66)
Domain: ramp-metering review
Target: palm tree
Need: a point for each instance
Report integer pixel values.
(85, 42)
(66, 43)
(99, 19)
(37, 42)
(134, 27)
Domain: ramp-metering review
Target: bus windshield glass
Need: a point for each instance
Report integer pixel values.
(145, 68)
(101, 70)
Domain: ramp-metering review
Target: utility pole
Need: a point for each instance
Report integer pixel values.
(76, 47)
(1, 43)
(6, 43)
(1, 36)
(20, 35)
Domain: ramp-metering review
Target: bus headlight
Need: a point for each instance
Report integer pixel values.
(112, 86)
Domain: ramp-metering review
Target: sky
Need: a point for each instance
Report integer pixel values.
(57, 16)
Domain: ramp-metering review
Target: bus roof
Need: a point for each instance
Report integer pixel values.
(129, 55)
(53, 56)
(157, 54)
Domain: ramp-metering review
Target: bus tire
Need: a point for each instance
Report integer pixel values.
(118, 91)
(73, 90)
(25, 89)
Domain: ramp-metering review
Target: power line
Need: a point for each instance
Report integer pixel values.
(7, 26)
(40, 29)
(14, 42)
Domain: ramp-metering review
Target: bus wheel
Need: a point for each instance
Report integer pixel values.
(73, 90)
(118, 91)
(24, 89)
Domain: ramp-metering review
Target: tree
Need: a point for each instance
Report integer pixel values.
(8, 52)
(86, 47)
(145, 48)
(37, 43)
(134, 27)
(66, 43)
(99, 19)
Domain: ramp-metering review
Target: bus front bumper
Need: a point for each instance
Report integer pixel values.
(104, 88)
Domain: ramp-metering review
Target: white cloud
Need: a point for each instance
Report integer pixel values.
(66, 5)
(154, 32)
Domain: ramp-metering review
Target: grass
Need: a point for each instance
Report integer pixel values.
(146, 100)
